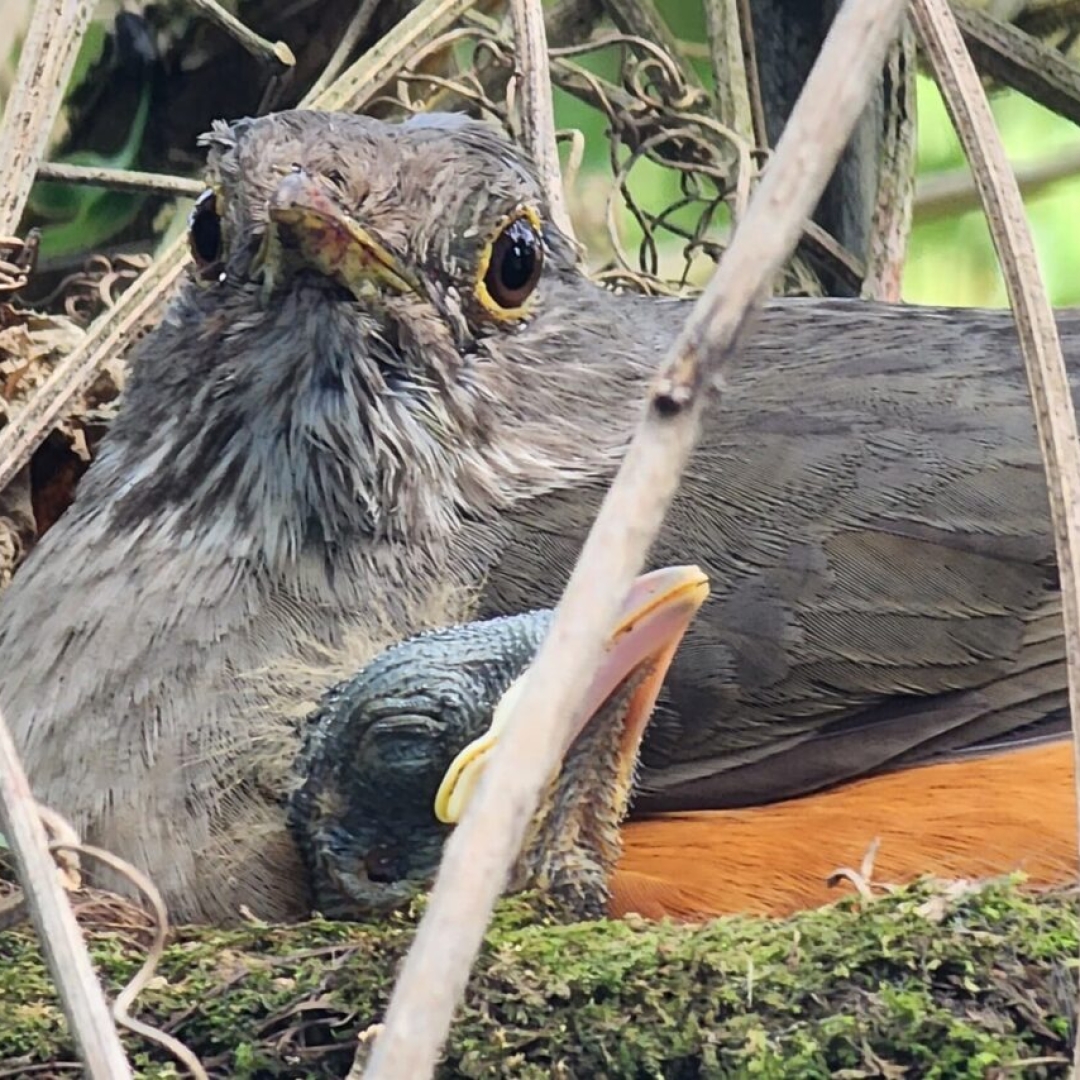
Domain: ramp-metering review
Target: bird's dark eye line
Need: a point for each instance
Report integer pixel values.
(517, 257)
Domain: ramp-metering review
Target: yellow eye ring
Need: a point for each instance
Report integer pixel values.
(510, 266)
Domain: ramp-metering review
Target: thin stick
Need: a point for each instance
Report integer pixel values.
(121, 1009)
(45, 65)
(256, 45)
(61, 940)
(382, 62)
(1055, 420)
(121, 179)
(890, 226)
(353, 33)
(480, 851)
(537, 110)
(728, 61)
(1037, 70)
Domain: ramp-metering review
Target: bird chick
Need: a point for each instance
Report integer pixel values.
(394, 754)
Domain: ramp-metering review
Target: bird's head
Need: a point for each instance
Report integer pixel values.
(382, 330)
(395, 754)
(437, 228)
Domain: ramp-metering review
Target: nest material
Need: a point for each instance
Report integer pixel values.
(934, 980)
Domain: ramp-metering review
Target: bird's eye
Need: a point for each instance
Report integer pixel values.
(204, 234)
(513, 266)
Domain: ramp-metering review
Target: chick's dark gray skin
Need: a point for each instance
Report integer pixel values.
(378, 748)
(339, 436)
(399, 749)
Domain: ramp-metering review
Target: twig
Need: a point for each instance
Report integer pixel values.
(138, 982)
(120, 179)
(480, 851)
(1005, 52)
(753, 73)
(256, 45)
(946, 194)
(728, 62)
(537, 110)
(48, 56)
(381, 63)
(61, 940)
(356, 29)
(1055, 420)
(890, 226)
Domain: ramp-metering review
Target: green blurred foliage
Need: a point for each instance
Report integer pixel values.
(952, 261)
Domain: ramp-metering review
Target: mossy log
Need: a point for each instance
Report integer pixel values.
(928, 981)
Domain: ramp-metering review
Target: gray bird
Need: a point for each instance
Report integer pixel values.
(388, 399)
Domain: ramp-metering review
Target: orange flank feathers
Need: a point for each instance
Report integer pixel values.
(969, 818)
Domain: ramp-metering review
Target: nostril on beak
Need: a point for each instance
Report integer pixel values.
(382, 865)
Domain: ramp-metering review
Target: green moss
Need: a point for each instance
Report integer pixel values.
(920, 983)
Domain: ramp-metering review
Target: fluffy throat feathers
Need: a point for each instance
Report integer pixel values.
(313, 426)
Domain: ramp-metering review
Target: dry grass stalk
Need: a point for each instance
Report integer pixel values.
(382, 62)
(276, 51)
(480, 851)
(61, 939)
(538, 112)
(1048, 379)
(120, 179)
(45, 65)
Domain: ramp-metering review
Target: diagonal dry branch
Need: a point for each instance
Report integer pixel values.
(61, 940)
(1048, 379)
(120, 179)
(482, 848)
(381, 63)
(275, 51)
(538, 111)
(1021, 61)
(48, 55)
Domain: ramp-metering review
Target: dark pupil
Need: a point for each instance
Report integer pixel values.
(205, 230)
(515, 263)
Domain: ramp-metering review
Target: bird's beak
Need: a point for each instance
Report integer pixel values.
(656, 614)
(313, 226)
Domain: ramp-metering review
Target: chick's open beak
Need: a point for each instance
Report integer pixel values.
(326, 237)
(656, 614)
